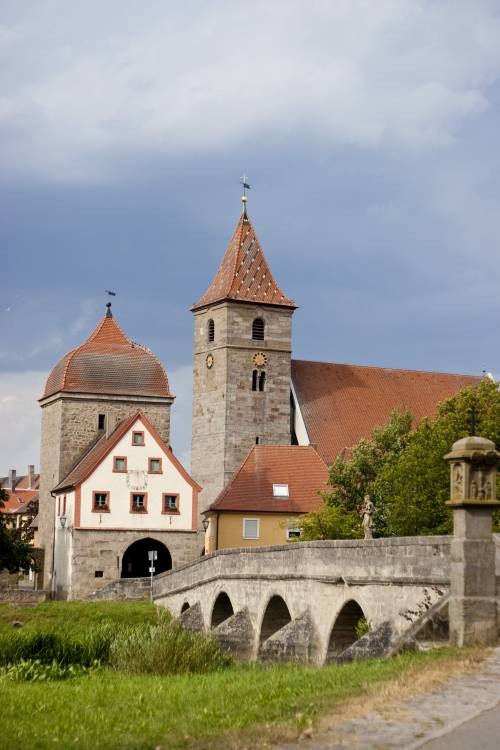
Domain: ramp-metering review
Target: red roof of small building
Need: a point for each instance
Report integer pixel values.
(109, 363)
(18, 501)
(251, 487)
(341, 404)
(244, 274)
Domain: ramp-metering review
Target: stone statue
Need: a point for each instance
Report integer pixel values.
(367, 511)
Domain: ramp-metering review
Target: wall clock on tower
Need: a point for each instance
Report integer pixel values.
(259, 359)
(210, 361)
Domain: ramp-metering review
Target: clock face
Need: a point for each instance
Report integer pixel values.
(210, 361)
(259, 359)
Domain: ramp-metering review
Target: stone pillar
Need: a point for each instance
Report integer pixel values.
(473, 608)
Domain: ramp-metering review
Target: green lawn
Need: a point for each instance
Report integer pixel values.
(115, 711)
(76, 616)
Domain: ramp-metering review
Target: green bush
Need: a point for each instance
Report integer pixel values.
(64, 648)
(166, 649)
(35, 670)
(363, 627)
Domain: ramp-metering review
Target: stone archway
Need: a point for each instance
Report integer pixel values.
(222, 609)
(276, 616)
(135, 561)
(343, 632)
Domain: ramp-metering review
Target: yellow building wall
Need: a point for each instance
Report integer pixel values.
(272, 529)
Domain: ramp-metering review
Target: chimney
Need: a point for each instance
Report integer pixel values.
(12, 480)
(31, 476)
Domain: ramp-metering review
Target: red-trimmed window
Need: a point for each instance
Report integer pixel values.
(100, 501)
(120, 464)
(138, 502)
(170, 503)
(154, 466)
(64, 505)
(137, 438)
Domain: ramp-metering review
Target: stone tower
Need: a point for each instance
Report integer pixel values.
(94, 386)
(242, 355)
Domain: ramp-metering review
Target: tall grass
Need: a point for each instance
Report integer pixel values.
(65, 648)
(166, 649)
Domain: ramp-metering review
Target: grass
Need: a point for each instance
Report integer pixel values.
(75, 616)
(247, 704)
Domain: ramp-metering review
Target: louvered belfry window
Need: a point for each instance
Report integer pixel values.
(211, 330)
(258, 328)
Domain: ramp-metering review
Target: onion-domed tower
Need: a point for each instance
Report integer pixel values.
(105, 380)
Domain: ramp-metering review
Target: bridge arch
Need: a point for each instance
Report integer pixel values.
(276, 616)
(184, 607)
(222, 609)
(343, 632)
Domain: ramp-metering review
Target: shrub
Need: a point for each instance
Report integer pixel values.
(363, 627)
(166, 649)
(64, 648)
(35, 670)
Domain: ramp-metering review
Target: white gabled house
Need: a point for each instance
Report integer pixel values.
(128, 495)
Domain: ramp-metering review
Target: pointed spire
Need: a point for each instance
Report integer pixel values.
(109, 314)
(244, 274)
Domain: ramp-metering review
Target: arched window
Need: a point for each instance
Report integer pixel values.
(258, 327)
(255, 375)
(262, 380)
(211, 330)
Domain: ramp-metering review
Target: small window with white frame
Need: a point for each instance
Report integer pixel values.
(280, 490)
(293, 532)
(251, 528)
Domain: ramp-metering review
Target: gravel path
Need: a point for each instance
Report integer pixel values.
(422, 718)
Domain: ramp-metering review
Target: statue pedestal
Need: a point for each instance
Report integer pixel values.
(473, 607)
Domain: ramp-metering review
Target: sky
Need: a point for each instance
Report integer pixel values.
(369, 132)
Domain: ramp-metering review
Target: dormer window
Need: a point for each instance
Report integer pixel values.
(280, 490)
(258, 329)
(211, 330)
(137, 438)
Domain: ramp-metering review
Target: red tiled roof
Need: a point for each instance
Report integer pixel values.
(251, 488)
(18, 501)
(244, 273)
(105, 445)
(109, 363)
(341, 404)
(96, 453)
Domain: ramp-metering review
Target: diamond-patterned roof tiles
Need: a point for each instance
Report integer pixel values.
(109, 363)
(244, 273)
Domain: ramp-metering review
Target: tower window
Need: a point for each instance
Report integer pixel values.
(211, 330)
(255, 375)
(258, 328)
(101, 421)
(262, 380)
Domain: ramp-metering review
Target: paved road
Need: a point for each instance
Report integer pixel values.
(482, 733)
(462, 715)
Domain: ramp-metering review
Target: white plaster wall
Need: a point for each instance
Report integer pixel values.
(104, 479)
(299, 424)
(63, 546)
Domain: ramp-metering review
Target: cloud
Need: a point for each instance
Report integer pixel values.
(155, 78)
(20, 416)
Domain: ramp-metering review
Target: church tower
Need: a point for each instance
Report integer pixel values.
(242, 356)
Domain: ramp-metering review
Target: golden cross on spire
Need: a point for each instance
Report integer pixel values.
(246, 186)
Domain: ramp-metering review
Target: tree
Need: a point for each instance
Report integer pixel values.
(403, 471)
(15, 550)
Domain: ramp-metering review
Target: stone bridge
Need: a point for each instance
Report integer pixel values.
(304, 600)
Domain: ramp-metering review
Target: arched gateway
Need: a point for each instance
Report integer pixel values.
(135, 562)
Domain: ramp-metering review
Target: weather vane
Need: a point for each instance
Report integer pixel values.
(246, 186)
(109, 314)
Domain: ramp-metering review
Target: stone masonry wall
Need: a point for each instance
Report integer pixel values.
(227, 415)
(69, 428)
(104, 550)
